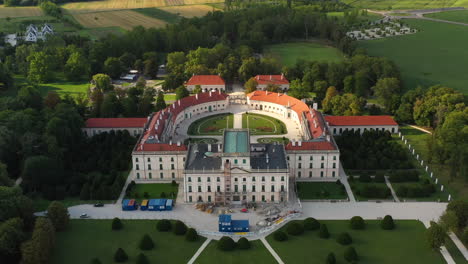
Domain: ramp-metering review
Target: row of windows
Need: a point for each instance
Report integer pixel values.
(322, 166)
(359, 129)
(311, 157)
(218, 179)
(299, 174)
(206, 108)
(161, 175)
(160, 159)
(236, 188)
(137, 167)
(244, 198)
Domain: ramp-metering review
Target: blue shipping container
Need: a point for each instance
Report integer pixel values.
(169, 203)
(240, 225)
(224, 222)
(129, 205)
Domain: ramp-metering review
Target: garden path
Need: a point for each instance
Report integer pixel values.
(199, 251)
(443, 250)
(272, 251)
(344, 181)
(238, 120)
(459, 245)
(389, 185)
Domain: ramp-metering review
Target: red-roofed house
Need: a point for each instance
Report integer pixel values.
(339, 124)
(95, 126)
(207, 82)
(278, 80)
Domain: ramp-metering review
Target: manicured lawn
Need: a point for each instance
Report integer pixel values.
(169, 97)
(263, 125)
(274, 139)
(289, 53)
(457, 16)
(159, 14)
(211, 125)
(357, 186)
(321, 190)
(154, 190)
(257, 254)
(87, 239)
(62, 88)
(434, 55)
(404, 245)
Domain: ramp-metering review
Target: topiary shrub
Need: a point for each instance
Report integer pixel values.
(146, 243)
(344, 239)
(323, 232)
(191, 235)
(464, 236)
(280, 236)
(379, 177)
(96, 261)
(331, 259)
(311, 224)
(163, 225)
(351, 255)
(116, 224)
(295, 228)
(180, 228)
(243, 243)
(365, 178)
(142, 259)
(226, 244)
(387, 223)
(357, 223)
(120, 255)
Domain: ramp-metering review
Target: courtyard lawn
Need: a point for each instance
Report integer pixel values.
(211, 125)
(321, 190)
(62, 88)
(456, 16)
(257, 254)
(169, 97)
(436, 54)
(289, 53)
(263, 125)
(154, 191)
(406, 244)
(280, 140)
(88, 239)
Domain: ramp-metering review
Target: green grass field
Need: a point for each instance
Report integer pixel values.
(62, 88)
(88, 239)
(405, 4)
(404, 245)
(263, 125)
(457, 16)
(154, 191)
(435, 55)
(289, 53)
(211, 125)
(257, 254)
(320, 190)
(159, 14)
(169, 97)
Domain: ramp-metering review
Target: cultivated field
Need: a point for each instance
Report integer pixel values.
(289, 53)
(20, 11)
(406, 4)
(189, 11)
(457, 16)
(435, 55)
(125, 19)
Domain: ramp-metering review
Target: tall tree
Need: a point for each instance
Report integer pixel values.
(387, 91)
(76, 67)
(181, 92)
(251, 85)
(40, 67)
(113, 67)
(58, 215)
(103, 82)
(160, 103)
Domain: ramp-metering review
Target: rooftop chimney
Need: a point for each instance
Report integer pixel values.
(196, 96)
(299, 143)
(271, 77)
(179, 102)
(293, 143)
(282, 76)
(209, 147)
(328, 137)
(210, 93)
(178, 143)
(170, 142)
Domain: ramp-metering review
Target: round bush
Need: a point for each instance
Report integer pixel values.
(116, 224)
(351, 255)
(357, 223)
(280, 236)
(464, 236)
(295, 228)
(226, 244)
(146, 243)
(120, 255)
(311, 224)
(163, 225)
(142, 259)
(180, 228)
(96, 261)
(323, 232)
(387, 223)
(243, 243)
(331, 258)
(344, 239)
(191, 235)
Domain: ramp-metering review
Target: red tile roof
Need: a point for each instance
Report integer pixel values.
(319, 145)
(115, 122)
(205, 80)
(282, 99)
(271, 79)
(161, 147)
(315, 123)
(360, 121)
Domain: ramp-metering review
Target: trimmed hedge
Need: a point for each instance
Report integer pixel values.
(387, 223)
(323, 232)
(374, 191)
(404, 176)
(351, 255)
(311, 224)
(120, 255)
(295, 228)
(146, 243)
(344, 239)
(142, 259)
(423, 190)
(243, 243)
(331, 259)
(180, 228)
(357, 223)
(191, 235)
(226, 244)
(163, 225)
(116, 224)
(280, 236)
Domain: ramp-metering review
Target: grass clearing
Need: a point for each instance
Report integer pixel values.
(445, 43)
(190, 10)
(154, 191)
(169, 97)
(263, 125)
(26, 11)
(63, 88)
(125, 19)
(257, 254)
(211, 125)
(88, 239)
(405, 4)
(456, 16)
(404, 245)
(159, 14)
(289, 53)
(321, 190)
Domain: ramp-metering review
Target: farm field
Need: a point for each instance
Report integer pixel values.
(289, 53)
(159, 14)
(321, 190)
(405, 4)
(125, 19)
(29, 11)
(19, 24)
(406, 244)
(257, 254)
(88, 239)
(154, 190)
(457, 16)
(189, 10)
(445, 43)
(211, 125)
(263, 125)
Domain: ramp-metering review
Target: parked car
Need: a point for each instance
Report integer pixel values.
(84, 216)
(98, 205)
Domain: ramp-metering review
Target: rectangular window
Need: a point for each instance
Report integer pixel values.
(136, 159)
(199, 188)
(253, 198)
(263, 178)
(172, 159)
(149, 160)
(334, 157)
(272, 188)
(321, 174)
(263, 188)
(149, 166)
(272, 178)
(209, 198)
(299, 158)
(190, 189)
(218, 179)
(272, 198)
(209, 188)
(160, 159)
(298, 174)
(138, 175)
(253, 188)
(323, 157)
(310, 165)
(299, 165)
(161, 175)
(160, 166)
(189, 179)
(334, 165)
(310, 174)
(172, 166)
(244, 161)
(287, 157)
(253, 178)
(311, 157)
(263, 198)
(137, 167)
(244, 188)
(173, 175)
(150, 175)
(199, 179)
(282, 178)
(333, 174)
(282, 188)
(208, 179)
(321, 166)
(236, 188)
(244, 179)
(218, 188)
